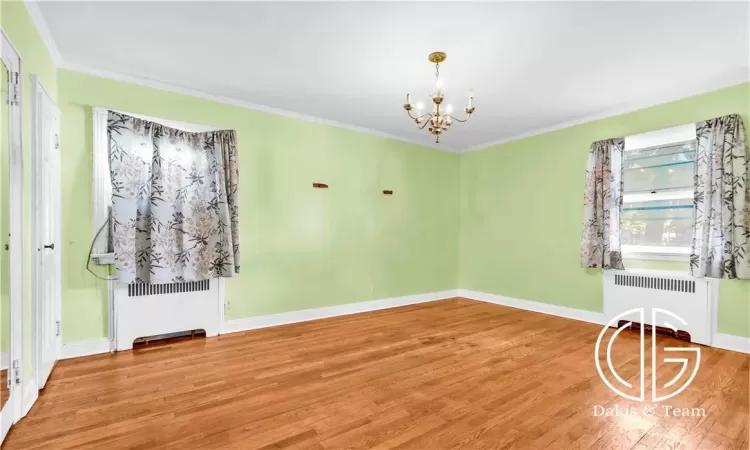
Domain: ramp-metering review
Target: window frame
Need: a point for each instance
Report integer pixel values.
(652, 139)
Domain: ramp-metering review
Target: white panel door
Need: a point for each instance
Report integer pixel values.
(11, 258)
(47, 161)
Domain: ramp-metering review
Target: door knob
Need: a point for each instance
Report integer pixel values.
(50, 246)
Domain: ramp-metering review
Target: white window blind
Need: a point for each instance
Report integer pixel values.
(657, 214)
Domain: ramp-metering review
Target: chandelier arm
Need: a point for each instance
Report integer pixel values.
(459, 120)
(419, 117)
(426, 121)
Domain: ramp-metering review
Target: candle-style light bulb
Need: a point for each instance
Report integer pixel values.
(471, 98)
(439, 88)
(449, 109)
(408, 99)
(420, 107)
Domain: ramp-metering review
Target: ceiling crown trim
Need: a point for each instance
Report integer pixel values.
(37, 18)
(40, 23)
(176, 89)
(714, 85)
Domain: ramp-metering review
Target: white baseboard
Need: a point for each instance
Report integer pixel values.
(84, 348)
(545, 308)
(731, 342)
(30, 394)
(720, 340)
(252, 323)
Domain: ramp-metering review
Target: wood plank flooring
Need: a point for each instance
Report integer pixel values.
(442, 375)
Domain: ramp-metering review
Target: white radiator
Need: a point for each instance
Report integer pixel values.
(690, 298)
(143, 310)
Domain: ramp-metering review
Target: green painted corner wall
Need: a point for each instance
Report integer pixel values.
(301, 247)
(516, 208)
(35, 59)
(522, 205)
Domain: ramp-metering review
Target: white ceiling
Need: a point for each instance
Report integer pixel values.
(532, 66)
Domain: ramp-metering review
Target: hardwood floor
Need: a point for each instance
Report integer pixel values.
(442, 375)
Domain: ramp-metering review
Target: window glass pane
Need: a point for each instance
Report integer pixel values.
(660, 155)
(666, 223)
(657, 169)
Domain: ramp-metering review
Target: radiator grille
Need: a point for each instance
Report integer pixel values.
(660, 283)
(139, 289)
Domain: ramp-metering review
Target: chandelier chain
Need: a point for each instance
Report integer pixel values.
(437, 71)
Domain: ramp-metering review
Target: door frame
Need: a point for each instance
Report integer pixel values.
(16, 180)
(37, 89)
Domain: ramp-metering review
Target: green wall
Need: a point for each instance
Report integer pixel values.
(35, 59)
(516, 208)
(522, 206)
(301, 247)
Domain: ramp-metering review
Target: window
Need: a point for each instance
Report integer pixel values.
(103, 184)
(657, 212)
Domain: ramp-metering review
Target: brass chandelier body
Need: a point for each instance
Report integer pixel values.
(440, 119)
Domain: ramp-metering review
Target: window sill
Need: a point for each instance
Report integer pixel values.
(103, 259)
(680, 257)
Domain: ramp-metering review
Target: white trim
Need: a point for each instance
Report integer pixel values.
(103, 259)
(661, 137)
(184, 126)
(683, 194)
(36, 260)
(222, 303)
(84, 348)
(111, 312)
(102, 195)
(713, 292)
(528, 305)
(656, 249)
(30, 395)
(725, 82)
(731, 342)
(253, 323)
(169, 87)
(656, 253)
(719, 340)
(4, 360)
(645, 256)
(14, 63)
(98, 346)
(40, 23)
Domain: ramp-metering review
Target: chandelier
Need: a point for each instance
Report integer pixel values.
(440, 119)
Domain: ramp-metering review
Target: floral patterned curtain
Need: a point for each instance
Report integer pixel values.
(722, 219)
(600, 240)
(174, 202)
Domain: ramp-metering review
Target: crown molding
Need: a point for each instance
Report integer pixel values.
(40, 23)
(37, 18)
(177, 89)
(716, 84)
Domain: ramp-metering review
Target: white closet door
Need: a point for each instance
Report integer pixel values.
(11, 256)
(47, 218)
